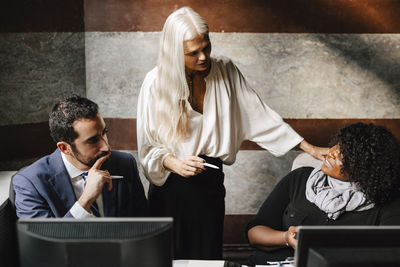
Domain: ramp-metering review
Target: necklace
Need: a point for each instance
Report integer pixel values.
(191, 99)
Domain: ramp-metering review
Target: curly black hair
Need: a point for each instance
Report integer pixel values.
(371, 157)
(64, 113)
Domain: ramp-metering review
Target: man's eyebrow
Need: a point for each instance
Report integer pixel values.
(92, 138)
(105, 130)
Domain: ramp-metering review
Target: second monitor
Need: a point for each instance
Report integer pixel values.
(348, 246)
(119, 242)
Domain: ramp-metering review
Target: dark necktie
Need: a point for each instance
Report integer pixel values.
(94, 208)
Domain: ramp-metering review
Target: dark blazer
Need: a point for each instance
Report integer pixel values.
(44, 189)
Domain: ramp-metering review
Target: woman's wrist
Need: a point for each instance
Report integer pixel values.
(306, 147)
(171, 163)
(285, 241)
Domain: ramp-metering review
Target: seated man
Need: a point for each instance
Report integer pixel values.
(76, 180)
(357, 184)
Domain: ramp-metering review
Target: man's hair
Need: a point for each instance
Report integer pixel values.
(65, 113)
(371, 156)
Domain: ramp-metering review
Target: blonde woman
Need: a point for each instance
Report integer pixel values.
(192, 110)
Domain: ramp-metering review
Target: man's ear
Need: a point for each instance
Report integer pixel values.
(64, 147)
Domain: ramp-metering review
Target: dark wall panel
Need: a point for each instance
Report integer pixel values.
(42, 16)
(33, 140)
(282, 16)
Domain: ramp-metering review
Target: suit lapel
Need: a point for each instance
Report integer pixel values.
(60, 181)
(110, 203)
(110, 198)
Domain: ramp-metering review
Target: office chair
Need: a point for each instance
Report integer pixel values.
(8, 236)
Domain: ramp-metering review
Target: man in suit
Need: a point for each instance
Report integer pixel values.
(82, 178)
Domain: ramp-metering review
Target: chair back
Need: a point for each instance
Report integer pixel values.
(8, 234)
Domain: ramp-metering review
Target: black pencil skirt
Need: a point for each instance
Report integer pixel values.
(197, 205)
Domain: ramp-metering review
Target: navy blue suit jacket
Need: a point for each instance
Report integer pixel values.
(44, 188)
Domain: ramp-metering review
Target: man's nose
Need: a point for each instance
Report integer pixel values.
(104, 144)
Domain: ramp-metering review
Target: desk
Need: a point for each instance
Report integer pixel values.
(202, 263)
(205, 263)
(276, 265)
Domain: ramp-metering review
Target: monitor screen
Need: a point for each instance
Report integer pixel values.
(96, 242)
(328, 246)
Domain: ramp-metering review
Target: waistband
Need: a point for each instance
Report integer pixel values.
(214, 161)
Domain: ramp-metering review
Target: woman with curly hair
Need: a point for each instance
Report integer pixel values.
(356, 184)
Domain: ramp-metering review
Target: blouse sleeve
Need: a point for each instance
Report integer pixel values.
(259, 122)
(151, 153)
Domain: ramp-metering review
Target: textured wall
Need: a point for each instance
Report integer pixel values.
(321, 76)
(298, 75)
(306, 58)
(37, 69)
(252, 177)
(116, 64)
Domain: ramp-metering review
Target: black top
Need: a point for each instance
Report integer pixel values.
(287, 205)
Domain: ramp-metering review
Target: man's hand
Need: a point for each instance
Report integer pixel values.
(94, 183)
(190, 166)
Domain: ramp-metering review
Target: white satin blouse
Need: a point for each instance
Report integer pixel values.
(232, 113)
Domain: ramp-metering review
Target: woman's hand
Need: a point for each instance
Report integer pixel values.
(190, 166)
(290, 236)
(268, 239)
(315, 151)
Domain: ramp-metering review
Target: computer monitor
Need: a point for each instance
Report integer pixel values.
(348, 246)
(108, 242)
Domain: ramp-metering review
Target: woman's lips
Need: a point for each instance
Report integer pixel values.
(204, 64)
(327, 164)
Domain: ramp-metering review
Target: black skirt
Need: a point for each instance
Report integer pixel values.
(197, 206)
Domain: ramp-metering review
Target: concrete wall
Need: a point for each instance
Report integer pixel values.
(320, 75)
(37, 69)
(329, 60)
(298, 75)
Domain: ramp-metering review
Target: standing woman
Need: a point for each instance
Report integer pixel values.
(194, 109)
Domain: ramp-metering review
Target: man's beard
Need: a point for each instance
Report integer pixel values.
(89, 163)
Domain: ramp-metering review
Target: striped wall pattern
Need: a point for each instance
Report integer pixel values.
(320, 64)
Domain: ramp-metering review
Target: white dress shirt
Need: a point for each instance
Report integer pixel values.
(232, 113)
(77, 211)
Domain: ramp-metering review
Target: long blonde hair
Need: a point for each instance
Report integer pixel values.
(171, 89)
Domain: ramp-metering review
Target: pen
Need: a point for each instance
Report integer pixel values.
(280, 263)
(116, 176)
(210, 165)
